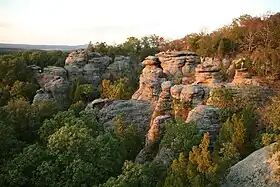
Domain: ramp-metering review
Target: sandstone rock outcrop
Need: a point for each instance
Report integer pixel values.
(150, 81)
(134, 112)
(156, 129)
(92, 67)
(256, 170)
(165, 66)
(95, 67)
(181, 63)
(208, 73)
(59, 88)
(42, 96)
(164, 157)
(243, 77)
(207, 119)
(163, 105)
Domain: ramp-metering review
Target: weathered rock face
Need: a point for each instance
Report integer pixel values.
(164, 66)
(49, 73)
(243, 77)
(134, 112)
(178, 63)
(150, 81)
(207, 119)
(163, 105)
(60, 91)
(152, 138)
(164, 157)
(256, 170)
(121, 66)
(156, 129)
(208, 74)
(191, 95)
(90, 66)
(42, 96)
(94, 67)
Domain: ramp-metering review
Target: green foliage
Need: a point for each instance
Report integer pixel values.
(233, 101)
(201, 167)
(180, 109)
(9, 144)
(20, 170)
(45, 110)
(78, 107)
(22, 117)
(221, 49)
(221, 97)
(77, 94)
(116, 90)
(40, 147)
(272, 118)
(272, 113)
(24, 90)
(130, 136)
(180, 136)
(69, 118)
(240, 131)
(200, 156)
(132, 175)
(177, 175)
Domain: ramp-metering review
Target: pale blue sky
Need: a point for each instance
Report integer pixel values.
(80, 21)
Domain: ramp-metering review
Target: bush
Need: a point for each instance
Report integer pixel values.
(116, 90)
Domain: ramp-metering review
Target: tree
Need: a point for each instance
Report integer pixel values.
(177, 174)
(201, 167)
(23, 118)
(180, 136)
(130, 136)
(9, 144)
(24, 90)
(77, 95)
(20, 170)
(132, 175)
(221, 49)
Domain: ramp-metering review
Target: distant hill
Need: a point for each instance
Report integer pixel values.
(13, 47)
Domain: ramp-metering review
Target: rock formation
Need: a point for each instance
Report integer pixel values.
(163, 105)
(256, 170)
(153, 136)
(243, 77)
(156, 129)
(181, 63)
(150, 80)
(92, 67)
(208, 74)
(134, 112)
(207, 119)
(164, 66)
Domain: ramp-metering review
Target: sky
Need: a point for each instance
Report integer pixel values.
(75, 22)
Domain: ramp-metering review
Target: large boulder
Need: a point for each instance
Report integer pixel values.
(179, 63)
(122, 66)
(49, 73)
(256, 170)
(207, 119)
(134, 112)
(59, 88)
(73, 72)
(42, 96)
(208, 73)
(194, 95)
